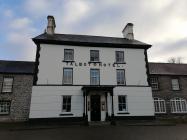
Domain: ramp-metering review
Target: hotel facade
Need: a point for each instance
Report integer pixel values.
(93, 78)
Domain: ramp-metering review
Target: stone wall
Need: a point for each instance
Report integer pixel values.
(20, 97)
(165, 92)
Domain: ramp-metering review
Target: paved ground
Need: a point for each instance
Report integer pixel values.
(103, 132)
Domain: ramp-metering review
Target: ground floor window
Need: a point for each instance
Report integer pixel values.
(66, 103)
(122, 103)
(160, 105)
(4, 107)
(178, 105)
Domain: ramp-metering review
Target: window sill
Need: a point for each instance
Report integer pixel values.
(94, 62)
(119, 62)
(66, 114)
(68, 61)
(123, 113)
(160, 112)
(5, 92)
(4, 114)
(68, 84)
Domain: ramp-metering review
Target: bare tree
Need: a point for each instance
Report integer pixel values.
(177, 60)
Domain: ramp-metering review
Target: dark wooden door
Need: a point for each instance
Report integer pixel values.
(95, 108)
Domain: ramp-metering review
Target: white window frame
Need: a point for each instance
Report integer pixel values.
(122, 103)
(178, 105)
(95, 55)
(68, 79)
(175, 84)
(4, 107)
(94, 76)
(159, 105)
(7, 85)
(64, 110)
(68, 55)
(154, 83)
(120, 76)
(119, 56)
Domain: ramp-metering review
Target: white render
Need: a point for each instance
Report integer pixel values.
(51, 65)
(46, 101)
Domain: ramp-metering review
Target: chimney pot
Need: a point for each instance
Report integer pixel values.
(128, 31)
(50, 25)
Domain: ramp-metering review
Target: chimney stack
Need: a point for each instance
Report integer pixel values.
(128, 31)
(50, 25)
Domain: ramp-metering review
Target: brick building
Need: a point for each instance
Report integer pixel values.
(16, 79)
(169, 88)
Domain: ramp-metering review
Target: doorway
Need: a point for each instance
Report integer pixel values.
(95, 108)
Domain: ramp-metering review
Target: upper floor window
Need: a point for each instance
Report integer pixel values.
(175, 84)
(178, 105)
(4, 107)
(68, 76)
(122, 103)
(160, 105)
(68, 54)
(154, 83)
(94, 77)
(66, 103)
(94, 55)
(119, 56)
(7, 84)
(120, 77)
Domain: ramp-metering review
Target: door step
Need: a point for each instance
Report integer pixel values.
(98, 123)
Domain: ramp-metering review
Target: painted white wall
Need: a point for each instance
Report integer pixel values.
(51, 65)
(46, 101)
(139, 101)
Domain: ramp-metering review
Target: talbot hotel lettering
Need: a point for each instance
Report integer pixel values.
(100, 64)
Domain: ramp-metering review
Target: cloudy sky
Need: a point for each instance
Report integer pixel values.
(162, 23)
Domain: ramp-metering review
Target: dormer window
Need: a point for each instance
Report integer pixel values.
(68, 55)
(94, 55)
(119, 56)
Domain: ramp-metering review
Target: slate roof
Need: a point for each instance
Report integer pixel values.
(168, 69)
(88, 40)
(22, 67)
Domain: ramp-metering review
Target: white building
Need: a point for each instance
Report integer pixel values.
(90, 77)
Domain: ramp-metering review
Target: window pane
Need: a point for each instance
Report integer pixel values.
(94, 55)
(68, 55)
(95, 77)
(4, 107)
(66, 104)
(154, 83)
(119, 56)
(68, 76)
(122, 106)
(175, 84)
(160, 106)
(7, 85)
(178, 105)
(120, 77)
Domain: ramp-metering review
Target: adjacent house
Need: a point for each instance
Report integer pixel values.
(94, 78)
(169, 87)
(16, 79)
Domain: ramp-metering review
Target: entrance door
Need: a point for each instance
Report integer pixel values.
(95, 108)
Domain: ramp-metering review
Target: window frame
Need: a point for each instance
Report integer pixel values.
(179, 88)
(116, 57)
(155, 83)
(6, 85)
(64, 111)
(98, 55)
(123, 76)
(91, 77)
(126, 104)
(174, 108)
(65, 54)
(64, 76)
(160, 102)
(5, 113)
